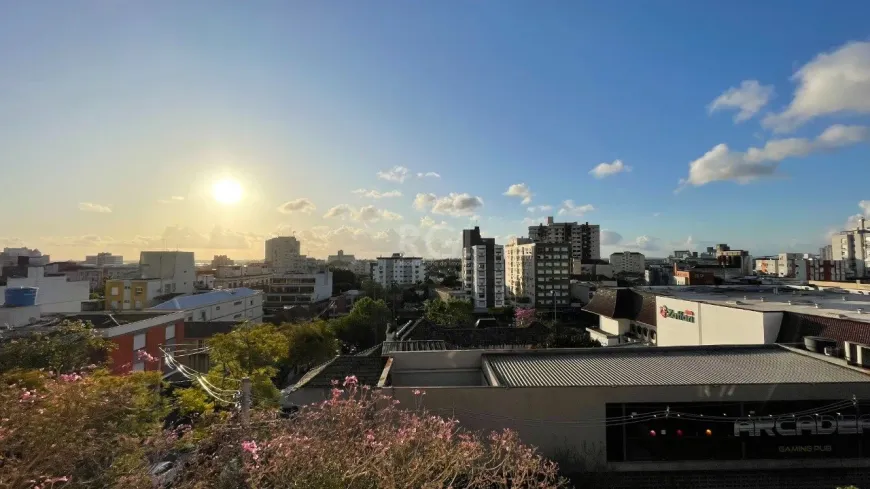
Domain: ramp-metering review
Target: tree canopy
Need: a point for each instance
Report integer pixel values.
(310, 343)
(365, 326)
(71, 346)
(454, 312)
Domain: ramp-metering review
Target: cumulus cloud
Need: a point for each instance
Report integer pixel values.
(722, 164)
(91, 207)
(374, 194)
(453, 204)
(368, 213)
(644, 243)
(540, 208)
(171, 200)
(832, 83)
(610, 238)
(603, 170)
(534, 221)
(428, 174)
(428, 222)
(396, 174)
(297, 205)
(520, 190)
(411, 240)
(569, 208)
(749, 98)
(173, 237)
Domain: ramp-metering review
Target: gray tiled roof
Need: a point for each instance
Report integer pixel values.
(366, 369)
(770, 364)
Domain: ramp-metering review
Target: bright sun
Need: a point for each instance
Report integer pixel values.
(227, 191)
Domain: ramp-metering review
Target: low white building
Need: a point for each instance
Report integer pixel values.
(298, 289)
(103, 259)
(56, 294)
(398, 270)
(628, 262)
(172, 267)
(240, 304)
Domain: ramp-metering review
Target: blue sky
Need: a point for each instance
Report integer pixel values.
(118, 118)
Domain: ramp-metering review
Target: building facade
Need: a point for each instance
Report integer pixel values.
(282, 253)
(221, 261)
(853, 247)
(104, 259)
(297, 289)
(232, 305)
(628, 262)
(538, 274)
(174, 269)
(584, 238)
(56, 294)
(398, 270)
(10, 257)
(134, 294)
(483, 270)
(341, 260)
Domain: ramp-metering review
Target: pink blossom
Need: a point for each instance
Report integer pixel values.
(252, 448)
(350, 380)
(73, 377)
(143, 355)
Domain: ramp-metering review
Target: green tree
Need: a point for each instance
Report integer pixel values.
(365, 326)
(309, 343)
(454, 312)
(343, 280)
(71, 346)
(450, 281)
(250, 350)
(373, 289)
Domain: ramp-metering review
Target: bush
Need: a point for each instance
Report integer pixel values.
(360, 439)
(78, 430)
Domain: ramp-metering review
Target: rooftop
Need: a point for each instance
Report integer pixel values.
(201, 300)
(827, 303)
(662, 366)
(367, 370)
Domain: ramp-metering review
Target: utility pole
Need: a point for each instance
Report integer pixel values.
(246, 400)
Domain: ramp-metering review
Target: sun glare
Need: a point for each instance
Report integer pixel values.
(227, 191)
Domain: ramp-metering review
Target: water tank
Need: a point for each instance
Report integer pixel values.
(817, 344)
(21, 296)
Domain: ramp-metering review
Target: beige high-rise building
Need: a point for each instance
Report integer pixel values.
(853, 247)
(584, 238)
(283, 253)
(538, 274)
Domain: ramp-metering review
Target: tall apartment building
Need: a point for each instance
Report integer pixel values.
(585, 238)
(628, 262)
(283, 253)
(853, 247)
(538, 274)
(826, 253)
(221, 261)
(104, 259)
(173, 267)
(398, 270)
(483, 270)
(9, 257)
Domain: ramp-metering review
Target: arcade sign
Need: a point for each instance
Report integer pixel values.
(686, 315)
(803, 425)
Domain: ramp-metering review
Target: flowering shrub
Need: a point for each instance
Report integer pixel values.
(78, 429)
(359, 438)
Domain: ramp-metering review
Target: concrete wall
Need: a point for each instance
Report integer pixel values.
(614, 326)
(556, 419)
(715, 325)
(675, 332)
(56, 294)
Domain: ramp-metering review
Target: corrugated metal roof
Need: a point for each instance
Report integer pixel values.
(200, 300)
(667, 366)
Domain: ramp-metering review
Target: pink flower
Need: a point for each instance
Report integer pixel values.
(350, 380)
(252, 448)
(73, 377)
(143, 355)
(418, 392)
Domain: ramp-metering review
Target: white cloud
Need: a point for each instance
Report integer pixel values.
(520, 190)
(428, 222)
(173, 237)
(748, 99)
(569, 208)
(722, 164)
(603, 170)
(429, 174)
(339, 210)
(374, 194)
(173, 199)
(91, 207)
(610, 238)
(657, 214)
(865, 207)
(297, 205)
(832, 83)
(644, 243)
(395, 174)
(367, 213)
(454, 204)
(540, 208)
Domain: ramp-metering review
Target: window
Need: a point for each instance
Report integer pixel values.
(138, 290)
(139, 341)
(170, 332)
(139, 367)
(237, 303)
(237, 316)
(217, 308)
(252, 302)
(114, 291)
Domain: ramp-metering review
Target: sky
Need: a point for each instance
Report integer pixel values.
(389, 126)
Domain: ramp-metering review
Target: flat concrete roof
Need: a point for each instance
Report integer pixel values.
(826, 303)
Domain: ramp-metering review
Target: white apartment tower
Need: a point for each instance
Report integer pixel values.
(483, 270)
(398, 270)
(282, 252)
(176, 268)
(103, 259)
(853, 247)
(628, 262)
(584, 238)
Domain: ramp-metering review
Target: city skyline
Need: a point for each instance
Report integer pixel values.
(209, 127)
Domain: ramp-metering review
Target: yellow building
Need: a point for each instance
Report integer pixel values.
(134, 294)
